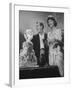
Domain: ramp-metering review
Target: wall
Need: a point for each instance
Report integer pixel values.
(28, 19)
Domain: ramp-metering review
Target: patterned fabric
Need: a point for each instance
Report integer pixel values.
(27, 56)
(55, 54)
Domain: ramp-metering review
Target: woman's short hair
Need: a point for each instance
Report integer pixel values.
(41, 24)
(50, 17)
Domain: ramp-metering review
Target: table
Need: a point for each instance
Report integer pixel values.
(38, 72)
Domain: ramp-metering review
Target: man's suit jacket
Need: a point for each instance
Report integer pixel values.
(36, 47)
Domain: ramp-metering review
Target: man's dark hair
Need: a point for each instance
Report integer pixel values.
(41, 24)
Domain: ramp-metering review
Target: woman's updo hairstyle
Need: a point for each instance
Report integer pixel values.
(51, 17)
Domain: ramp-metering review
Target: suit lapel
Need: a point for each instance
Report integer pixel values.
(38, 40)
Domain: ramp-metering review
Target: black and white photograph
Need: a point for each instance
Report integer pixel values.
(36, 44)
(41, 44)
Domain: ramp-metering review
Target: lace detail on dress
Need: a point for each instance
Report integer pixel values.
(55, 55)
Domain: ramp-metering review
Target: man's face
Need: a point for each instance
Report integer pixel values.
(39, 28)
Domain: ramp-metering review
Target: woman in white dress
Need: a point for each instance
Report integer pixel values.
(55, 45)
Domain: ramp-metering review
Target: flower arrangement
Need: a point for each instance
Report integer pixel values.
(27, 56)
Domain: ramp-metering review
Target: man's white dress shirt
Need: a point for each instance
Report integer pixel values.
(41, 40)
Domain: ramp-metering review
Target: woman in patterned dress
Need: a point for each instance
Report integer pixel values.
(55, 44)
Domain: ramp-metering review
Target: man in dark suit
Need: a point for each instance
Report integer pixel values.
(40, 45)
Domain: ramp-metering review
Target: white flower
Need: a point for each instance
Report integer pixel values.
(28, 34)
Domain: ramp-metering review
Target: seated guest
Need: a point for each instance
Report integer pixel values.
(40, 45)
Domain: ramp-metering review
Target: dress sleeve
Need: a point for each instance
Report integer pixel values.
(51, 37)
(48, 37)
(58, 34)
